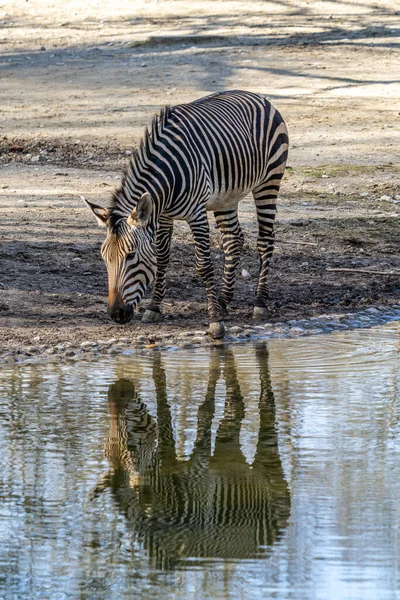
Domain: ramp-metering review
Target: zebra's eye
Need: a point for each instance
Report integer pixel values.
(130, 256)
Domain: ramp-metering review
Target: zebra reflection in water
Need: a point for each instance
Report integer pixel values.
(213, 505)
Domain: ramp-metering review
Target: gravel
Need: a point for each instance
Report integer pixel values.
(89, 350)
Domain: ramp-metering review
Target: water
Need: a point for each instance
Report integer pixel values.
(250, 472)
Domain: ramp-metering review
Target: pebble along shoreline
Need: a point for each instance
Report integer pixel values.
(90, 350)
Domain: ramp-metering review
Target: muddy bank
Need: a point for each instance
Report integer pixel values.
(53, 283)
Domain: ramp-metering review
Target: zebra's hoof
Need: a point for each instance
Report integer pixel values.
(260, 313)
(151, 316)
(217, 330)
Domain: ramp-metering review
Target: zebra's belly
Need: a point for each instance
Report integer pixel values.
(226, 199)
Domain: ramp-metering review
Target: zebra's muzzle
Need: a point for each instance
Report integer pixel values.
(121, 313)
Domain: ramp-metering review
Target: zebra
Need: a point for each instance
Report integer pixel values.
(214, 504)
(203, 156)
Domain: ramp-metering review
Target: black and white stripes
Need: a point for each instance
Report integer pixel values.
(198, 157)
(214, 504)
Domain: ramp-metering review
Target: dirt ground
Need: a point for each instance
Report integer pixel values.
(79, 83)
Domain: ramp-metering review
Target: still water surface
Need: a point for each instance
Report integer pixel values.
(248, 472)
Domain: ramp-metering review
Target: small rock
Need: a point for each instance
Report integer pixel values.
(31, 350)
(245, 274)
(86, 344)
(70, 353)
(235, 329)
(128, 152)
(9, 360)
(197, 339)
(310, 324)
(21, 358)
(297, 330)
(35, 158)
(280, 330)
(352, 323)
(181, 336)
(372, 311)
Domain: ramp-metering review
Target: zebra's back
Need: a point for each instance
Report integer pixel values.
(240, 138)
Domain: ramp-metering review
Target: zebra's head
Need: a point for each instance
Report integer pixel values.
(129, 254)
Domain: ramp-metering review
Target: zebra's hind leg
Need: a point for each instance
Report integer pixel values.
(265, 196)
(201, 236)
(232, 243)
(163, 244)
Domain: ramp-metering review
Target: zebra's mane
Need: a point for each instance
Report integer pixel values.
(122, 203)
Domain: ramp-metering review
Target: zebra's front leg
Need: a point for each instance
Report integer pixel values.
(201, 236)
(163, 245)
(232, 243)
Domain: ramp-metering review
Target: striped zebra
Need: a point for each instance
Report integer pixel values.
(198, 157)
(214, 504)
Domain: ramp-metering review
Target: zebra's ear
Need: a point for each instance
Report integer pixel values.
(141, 214)
(101, 214)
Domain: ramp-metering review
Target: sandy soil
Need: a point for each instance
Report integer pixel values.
(78, 84)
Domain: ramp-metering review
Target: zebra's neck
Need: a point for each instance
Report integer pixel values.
(166, 167)
(134, 184)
